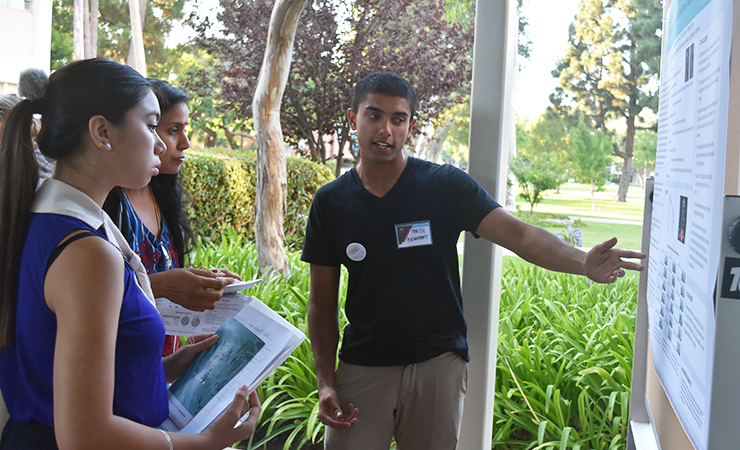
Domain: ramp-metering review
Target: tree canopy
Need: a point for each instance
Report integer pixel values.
(588, 157)
(538, 165)
(337, 43)
(610, 69)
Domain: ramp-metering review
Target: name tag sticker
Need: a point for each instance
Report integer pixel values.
(414, 234)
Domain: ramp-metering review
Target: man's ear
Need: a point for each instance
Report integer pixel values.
(99, 129)
(411, 125)
(352, 117)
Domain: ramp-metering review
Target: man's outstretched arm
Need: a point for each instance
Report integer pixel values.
(323, 329)
(603, 264)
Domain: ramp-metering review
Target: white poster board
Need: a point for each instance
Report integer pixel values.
(687, 208)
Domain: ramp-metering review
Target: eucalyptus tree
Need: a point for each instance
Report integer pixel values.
(136, 56)
(272, 179)
(85, 27)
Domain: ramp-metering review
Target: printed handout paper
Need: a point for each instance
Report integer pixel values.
(180, 321)
(252, 344)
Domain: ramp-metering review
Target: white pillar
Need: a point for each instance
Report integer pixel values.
(490, 112)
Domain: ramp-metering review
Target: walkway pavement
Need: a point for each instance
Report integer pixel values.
(606, 220)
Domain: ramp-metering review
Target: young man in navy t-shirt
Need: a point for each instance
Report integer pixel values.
(394, 222)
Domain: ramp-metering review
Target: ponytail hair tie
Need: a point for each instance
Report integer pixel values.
(37, 106)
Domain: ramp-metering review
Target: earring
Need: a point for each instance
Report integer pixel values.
(101, 144)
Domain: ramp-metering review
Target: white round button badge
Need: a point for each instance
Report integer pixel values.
(356, 252)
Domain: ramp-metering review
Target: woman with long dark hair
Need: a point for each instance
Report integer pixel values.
(154, 223)
(80, 337)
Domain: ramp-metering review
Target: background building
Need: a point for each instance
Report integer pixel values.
(25, 39)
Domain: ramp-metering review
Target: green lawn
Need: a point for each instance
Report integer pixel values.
(628, 236)
(575, 200)
(578, 199)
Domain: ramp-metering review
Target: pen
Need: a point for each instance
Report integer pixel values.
(242, 420)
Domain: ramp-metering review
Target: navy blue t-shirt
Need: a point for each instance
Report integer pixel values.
(404, 302)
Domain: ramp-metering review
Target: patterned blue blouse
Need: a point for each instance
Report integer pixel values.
(158, 254)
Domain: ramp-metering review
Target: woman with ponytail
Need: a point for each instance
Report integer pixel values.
(80, 337)
(154, 222)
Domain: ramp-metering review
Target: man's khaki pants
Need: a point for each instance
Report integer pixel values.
(419, 405)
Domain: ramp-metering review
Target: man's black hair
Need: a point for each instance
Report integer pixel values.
(386, 83)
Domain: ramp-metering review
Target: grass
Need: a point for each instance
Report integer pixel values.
(575, 200)
(593, 233)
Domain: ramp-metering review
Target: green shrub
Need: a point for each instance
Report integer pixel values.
(222, 187)
(305, 177)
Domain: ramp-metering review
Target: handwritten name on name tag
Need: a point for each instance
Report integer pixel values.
(414, 234)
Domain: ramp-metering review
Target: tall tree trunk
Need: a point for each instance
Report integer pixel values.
(78, 29)
(136, 56)
(86, 27)
(322, 149)
(420, 145)
(644, 174)
(230, 136)
(271, 173)
(338, 169)
(430, 148)
(91, 29)
(313, 146)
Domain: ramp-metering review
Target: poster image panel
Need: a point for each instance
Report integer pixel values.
(215, 367)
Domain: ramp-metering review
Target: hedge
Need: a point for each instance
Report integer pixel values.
(221, 186)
